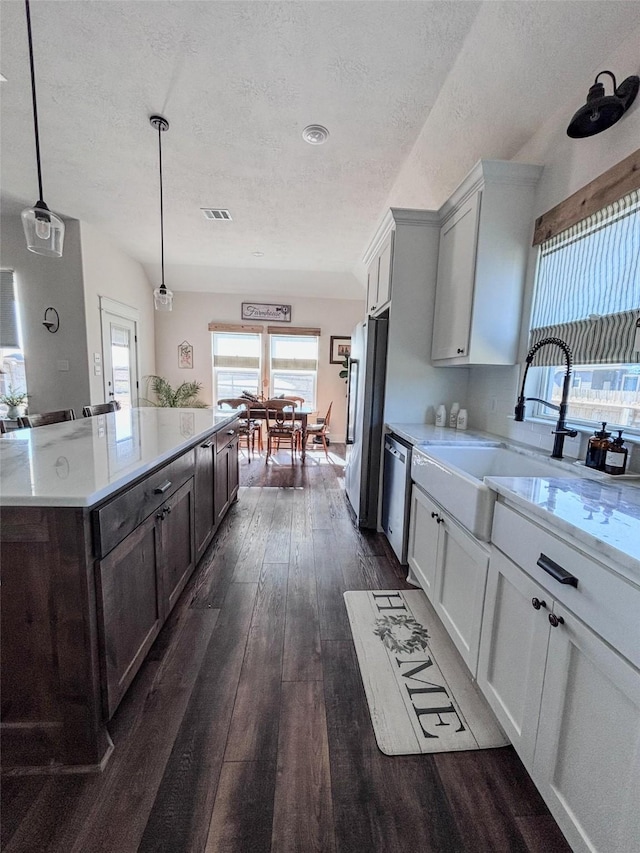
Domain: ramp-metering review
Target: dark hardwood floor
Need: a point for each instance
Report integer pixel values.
(247, 728)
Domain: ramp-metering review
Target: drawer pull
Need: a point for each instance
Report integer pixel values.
(537, 604)
(556, 571)
(555, 620)
(207, 444)
(231, 432)
(160, 490)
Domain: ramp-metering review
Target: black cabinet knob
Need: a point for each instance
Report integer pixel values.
(537, 604)
(555, 620)
(440, 520)
(460, 350)
(434, 515)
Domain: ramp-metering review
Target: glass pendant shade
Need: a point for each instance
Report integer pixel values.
(43, 230)
(162, 298)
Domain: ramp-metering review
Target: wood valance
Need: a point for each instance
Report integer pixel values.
(613, 184)
(292, 330)
(235, 327)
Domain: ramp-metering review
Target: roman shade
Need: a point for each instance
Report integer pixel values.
(588, 287)
(8, 313)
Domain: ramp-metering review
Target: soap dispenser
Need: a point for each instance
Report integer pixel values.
(597, 449)
(616, 459)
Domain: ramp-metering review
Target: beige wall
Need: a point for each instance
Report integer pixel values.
(107, 271)
(192, 312)
(42, 282)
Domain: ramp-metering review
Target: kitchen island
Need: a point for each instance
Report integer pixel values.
(103, 521)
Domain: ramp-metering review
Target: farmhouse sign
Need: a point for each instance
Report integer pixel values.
(266, 311)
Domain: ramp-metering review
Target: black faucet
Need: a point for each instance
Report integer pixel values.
(561, 429)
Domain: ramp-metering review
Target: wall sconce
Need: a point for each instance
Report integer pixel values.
(51, 320)
(602, 111)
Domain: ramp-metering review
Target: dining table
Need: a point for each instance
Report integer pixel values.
(300, 413)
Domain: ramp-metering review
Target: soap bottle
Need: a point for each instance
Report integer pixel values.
(441, 415)
(453, 415)
(462, 419)
(597, 449)
(615, 461)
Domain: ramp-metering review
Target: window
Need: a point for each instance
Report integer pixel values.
(588, 294)
(294, 366)
(236, 364)
(13, 377)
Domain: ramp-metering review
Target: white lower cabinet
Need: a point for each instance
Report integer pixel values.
(571, 706)
(451, 566)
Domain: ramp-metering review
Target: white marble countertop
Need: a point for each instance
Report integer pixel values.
(603, 517)
(424, 434)
(81, 462)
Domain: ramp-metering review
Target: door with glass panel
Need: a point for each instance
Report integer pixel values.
(119, 348)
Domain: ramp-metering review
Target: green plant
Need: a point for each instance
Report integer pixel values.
(14, 397)
(185, 396)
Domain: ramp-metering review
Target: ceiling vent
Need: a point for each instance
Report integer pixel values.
(216, 213)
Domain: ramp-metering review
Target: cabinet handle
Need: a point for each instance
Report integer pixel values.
(160, 490)
(537, 604)
(555, 620)
(207, 443)
(160, 515)
(434, 515)
(231, 432)
(460, 350)
(440, 520)
(556, 571)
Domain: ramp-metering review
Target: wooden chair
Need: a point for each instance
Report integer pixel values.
(47, 418)
(281, 425)
(249, 427)
(100, 409)
(3, 428)
(321, 430)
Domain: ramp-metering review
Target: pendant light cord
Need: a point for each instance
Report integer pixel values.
(33, 96)
(161, 207)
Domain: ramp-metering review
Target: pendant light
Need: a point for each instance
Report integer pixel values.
(43, 230)
(162, 296)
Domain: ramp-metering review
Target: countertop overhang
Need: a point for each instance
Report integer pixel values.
(80, 463)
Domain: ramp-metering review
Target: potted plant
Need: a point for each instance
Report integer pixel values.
(185, 396)
(15, 400)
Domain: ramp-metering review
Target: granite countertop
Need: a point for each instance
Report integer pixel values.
(81, 462)
(603, 517)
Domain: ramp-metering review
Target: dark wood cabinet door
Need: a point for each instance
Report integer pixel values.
(205, 519)
(177, 543)
(130, 612)
(222, 484)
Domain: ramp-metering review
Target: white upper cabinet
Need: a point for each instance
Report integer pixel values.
(379, 277)
(485, 237)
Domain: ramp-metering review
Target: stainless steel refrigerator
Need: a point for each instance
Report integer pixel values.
(365, 412)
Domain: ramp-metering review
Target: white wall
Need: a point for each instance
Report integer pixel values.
(569, 164)
(192, 312)
(107, 271)
(43, 282)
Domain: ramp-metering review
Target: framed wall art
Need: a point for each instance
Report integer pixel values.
(185, 355)
(340, 348)
(266, 311)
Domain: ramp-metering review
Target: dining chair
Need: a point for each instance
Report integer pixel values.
(3, 428)
(249, 427)
(100, 409)
(46, 418)
(320, 430)
(281, 424)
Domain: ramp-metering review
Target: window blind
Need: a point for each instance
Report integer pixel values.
(588, 287)
(8, 312)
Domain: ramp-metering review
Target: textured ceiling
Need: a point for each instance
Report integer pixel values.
(238, 81)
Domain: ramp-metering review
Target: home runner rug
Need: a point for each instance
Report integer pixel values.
(420, 694)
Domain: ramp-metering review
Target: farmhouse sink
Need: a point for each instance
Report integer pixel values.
(454, 477)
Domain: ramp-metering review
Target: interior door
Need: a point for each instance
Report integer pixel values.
(120, 357)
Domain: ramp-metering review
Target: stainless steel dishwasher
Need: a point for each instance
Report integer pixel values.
(395, 494)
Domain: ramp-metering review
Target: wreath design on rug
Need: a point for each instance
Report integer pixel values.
(401, 633)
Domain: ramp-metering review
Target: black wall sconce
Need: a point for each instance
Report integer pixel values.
(51, 320)
(603, 111)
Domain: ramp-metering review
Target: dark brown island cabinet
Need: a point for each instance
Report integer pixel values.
(86, 591)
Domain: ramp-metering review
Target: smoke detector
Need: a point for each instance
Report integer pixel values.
(315, 134)
(216, 213)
